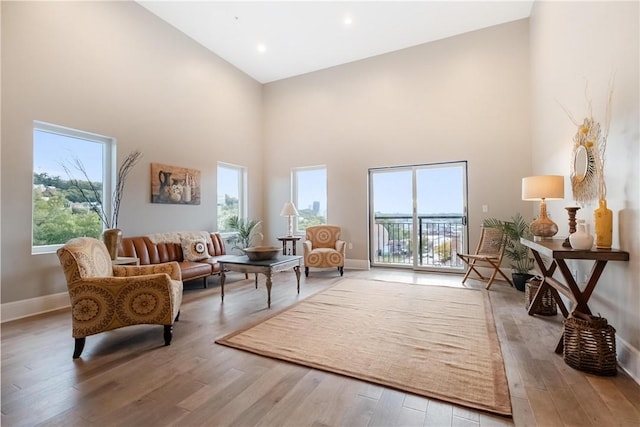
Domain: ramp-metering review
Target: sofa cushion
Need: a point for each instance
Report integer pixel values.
(213, 261)
(194, 249)
(193, 270)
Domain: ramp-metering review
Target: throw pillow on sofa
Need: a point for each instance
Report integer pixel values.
(194, 249)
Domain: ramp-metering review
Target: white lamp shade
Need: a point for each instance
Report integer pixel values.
(549, 187)
(289, 209)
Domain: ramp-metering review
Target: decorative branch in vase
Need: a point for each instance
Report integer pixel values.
(112, 234)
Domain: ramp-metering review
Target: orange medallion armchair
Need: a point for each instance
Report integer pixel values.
(323, 248)
(105, 297)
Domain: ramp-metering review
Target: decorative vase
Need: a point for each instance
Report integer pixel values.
(581, 239)
(604, 225)
(112, 238)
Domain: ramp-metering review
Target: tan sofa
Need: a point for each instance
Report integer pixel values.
(165, 247)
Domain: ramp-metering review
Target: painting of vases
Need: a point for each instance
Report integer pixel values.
(174, 185)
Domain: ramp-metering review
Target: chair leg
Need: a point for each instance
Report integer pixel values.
(341, 270)
(168, 334)
(177, 316)
(493, 276)
(306, 272)
(205, 281)
(77, 351)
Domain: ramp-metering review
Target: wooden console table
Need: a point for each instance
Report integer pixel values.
(553, 250)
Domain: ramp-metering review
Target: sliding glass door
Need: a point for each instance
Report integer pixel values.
(418, 216)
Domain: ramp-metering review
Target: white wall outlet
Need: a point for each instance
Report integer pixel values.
(485, 208)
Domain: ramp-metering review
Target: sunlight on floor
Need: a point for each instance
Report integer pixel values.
(414, 278)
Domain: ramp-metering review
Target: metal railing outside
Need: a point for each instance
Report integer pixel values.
(439, 238)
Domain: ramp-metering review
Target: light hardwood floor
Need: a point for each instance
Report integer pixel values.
(128, 378)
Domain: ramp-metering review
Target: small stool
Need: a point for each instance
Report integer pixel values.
(547, 306)
(293, 240)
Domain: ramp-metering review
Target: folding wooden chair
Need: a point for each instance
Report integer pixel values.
(489, 254)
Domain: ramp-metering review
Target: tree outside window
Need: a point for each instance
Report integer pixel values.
(60, 212)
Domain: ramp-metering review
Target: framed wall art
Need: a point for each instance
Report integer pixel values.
(174, 185)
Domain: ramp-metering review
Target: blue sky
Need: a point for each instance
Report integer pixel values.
(439, 190)
(50, 150)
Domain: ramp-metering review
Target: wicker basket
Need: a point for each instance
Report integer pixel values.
(547, 306)
(590, 344)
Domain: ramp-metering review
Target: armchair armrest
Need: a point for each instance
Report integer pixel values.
(341, 246)
(117, 284)
(306, 245)
(171, 268)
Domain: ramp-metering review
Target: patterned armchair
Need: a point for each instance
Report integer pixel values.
(323, 248)
(105, 297)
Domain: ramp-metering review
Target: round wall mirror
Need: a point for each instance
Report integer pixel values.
(583, 174)
(580, 163)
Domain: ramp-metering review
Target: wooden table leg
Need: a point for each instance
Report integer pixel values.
(268, 274)
(297, 270)
(582, 297)
(546, 272)
(222, 278)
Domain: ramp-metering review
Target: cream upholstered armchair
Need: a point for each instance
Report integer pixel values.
(323, 248)
(105, 297)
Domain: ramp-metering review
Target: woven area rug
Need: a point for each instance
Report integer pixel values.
(434, 341)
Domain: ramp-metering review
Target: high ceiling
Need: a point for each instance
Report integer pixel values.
(274, 40)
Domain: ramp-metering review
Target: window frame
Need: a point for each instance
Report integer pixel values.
(295, 189)
(242, 191)
(108, 145)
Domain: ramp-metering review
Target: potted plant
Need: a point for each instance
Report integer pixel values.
(247, 231)
(521, 262)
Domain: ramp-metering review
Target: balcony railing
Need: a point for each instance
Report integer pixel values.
(439, 238)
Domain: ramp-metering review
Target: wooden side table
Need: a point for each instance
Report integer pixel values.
(553, 250)
(125, 260)
(293, 240)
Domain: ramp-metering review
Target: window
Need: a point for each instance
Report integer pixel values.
(310, 196)
(231, 194)
(65, 160)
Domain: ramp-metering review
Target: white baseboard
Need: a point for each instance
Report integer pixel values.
(628, 359)
(357, 264)
(31, 307)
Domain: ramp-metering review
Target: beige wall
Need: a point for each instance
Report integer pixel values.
(486, 97)
(574, 43)
(463, 98)
(113, 68)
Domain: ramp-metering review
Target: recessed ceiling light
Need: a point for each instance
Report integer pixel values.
(347, 20)
(261, 48)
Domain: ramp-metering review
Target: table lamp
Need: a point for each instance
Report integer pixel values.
(289, 210)
(543, 187)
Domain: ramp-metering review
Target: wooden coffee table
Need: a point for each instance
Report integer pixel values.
(244, 265)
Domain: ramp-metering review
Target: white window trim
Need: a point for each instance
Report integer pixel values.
(108, 170)
(243, 189)
(294, 192)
